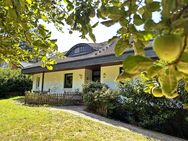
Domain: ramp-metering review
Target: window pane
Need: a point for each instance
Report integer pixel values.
(68, 80)
(77, 50)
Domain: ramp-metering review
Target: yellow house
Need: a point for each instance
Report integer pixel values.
(84, 62)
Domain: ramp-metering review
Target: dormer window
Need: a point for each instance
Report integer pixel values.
(79, 49)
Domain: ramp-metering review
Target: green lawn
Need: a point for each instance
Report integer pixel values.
(19, 122)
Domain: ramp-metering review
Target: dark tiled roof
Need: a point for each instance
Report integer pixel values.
(103, 54)
(98, 46)
(101, 49)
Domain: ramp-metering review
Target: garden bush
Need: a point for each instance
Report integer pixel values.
(143, 109)
(132, 105)
(13, 83)
(98, 98)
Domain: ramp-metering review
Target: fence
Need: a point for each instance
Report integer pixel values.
(68, 98)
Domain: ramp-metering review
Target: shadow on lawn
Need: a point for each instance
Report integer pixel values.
(20, 100)
(80, 111)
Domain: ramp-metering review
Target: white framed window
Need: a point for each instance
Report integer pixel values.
(68, 80)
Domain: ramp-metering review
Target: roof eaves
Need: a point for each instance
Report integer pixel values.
(148, 50)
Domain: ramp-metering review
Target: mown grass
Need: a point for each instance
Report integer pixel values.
(23, 123)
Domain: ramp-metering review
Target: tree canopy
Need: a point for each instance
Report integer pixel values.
(20, 21)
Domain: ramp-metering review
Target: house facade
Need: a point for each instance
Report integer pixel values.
(84, 62)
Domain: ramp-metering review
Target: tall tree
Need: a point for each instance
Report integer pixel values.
(20, 21)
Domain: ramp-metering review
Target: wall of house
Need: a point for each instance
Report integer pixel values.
(88, 75)
(109, 74)
(55, 81)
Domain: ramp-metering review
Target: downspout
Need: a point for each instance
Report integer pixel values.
(42, 87)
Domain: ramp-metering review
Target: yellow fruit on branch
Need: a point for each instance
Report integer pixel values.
(168, 47)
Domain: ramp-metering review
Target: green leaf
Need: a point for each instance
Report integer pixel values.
(12, 13)
(44, 17)
(44, 58)
(136, 64)
(181, 23)
(93, 26)
(103, 11)
(149, 25)
(121, 46)
(51, 62)
(115, 13)
(108, 23)
(184, 57)
(154, 70)
(92, 36)
(124, 77)
(141, 10)
(171, 95)
(139, 48)
(137, 20)
(168, 82)
(182, 65)
(113, 39)
(153, 6)
(69, 5)
(146, 15)
(49, 67)
(168, 6)
(146, 35)
(29, 1)
(6, 7)
(123, 22)
(149, 1)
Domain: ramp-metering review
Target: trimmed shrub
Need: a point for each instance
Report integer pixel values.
(13, 83)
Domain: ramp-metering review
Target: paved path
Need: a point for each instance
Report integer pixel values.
(79, 110)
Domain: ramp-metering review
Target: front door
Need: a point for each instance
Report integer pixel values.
(96, 75)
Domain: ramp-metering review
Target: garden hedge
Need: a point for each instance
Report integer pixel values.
(13, 83)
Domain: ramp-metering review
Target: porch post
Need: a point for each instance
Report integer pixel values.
(42, 87)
